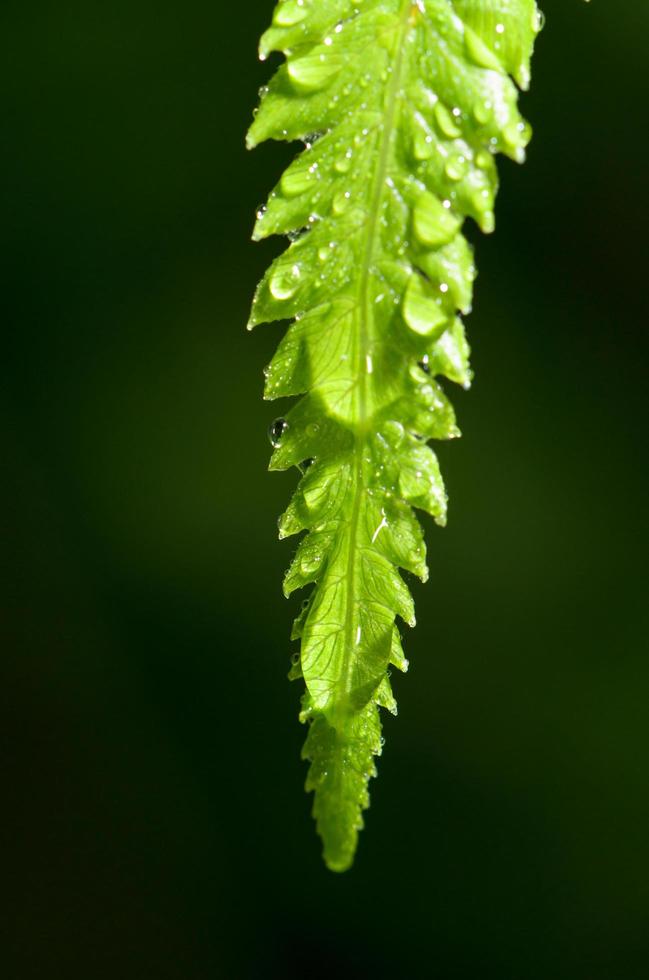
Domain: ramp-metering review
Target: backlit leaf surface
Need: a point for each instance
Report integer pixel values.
(402, 106)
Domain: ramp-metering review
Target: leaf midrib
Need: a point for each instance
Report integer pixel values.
(361, 339)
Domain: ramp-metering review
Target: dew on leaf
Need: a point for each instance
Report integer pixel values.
(341, 202)
(276, 431)
(479, 52)
(482, 112)
(433, 223)
(445, 121)
(456, 167)
(422, 313)
(311, 72)
(284, 281)
(296, 180)
(289, 13)
(423, 146)
(310, 564)
(343, 163)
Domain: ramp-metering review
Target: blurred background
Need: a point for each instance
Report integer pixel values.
(154, 819)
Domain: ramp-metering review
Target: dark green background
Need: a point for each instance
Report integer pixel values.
(153, 816)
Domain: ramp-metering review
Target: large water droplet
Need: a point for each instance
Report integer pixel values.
(313, 71)
(297, 179)
(284, 281)
(483, 111)
(276, 430)
(310, 563)
(478, 51)
(421, 311)
(446, 122)
(289, 13)
(433, 224)
(456, 166)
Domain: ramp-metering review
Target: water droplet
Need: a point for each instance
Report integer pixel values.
(276, 431)
(297, 179)
(421, 311)
(312, 71)
(310, 563)
(446, 122)
(433, 223)
(482, 112)
(341, 202)
(284, 281)
(343, 164)
(479, 52)
(423, 145)
(289, 13)
(456, 167)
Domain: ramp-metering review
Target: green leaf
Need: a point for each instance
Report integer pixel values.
(402, 105)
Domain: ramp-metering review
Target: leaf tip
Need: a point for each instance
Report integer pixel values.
(337, 864)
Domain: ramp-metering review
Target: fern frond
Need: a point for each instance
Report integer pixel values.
(402, 105)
